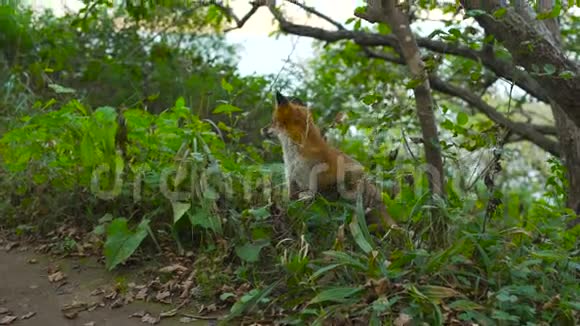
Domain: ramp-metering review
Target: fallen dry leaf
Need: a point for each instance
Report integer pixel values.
(139, 314)
(148, 319)
(56, 277)
(173, 268)
(28, 315)
(33, 261)
(10, 246)
(162, 295)
(96, 292)
(91, 323)
(402, 320)
(142, 294)
(71, 315)
(186, 320)
(7, 320)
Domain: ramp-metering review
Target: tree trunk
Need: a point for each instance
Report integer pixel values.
(569, 137)
(386, 11)
(568, 131)
(533, 47)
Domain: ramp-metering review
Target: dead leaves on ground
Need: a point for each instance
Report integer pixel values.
(10, 317)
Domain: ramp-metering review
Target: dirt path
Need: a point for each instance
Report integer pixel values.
(25, 288)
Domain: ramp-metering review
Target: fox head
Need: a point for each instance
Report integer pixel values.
(291, 118)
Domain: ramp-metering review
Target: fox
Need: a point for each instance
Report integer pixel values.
(312, 166)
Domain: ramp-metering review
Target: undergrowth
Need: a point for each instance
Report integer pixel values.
(131, 177)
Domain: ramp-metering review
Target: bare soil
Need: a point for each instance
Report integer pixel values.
(25, 291)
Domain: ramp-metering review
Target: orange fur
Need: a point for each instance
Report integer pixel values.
(312, 165)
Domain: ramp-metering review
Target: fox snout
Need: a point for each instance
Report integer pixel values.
(267, 132)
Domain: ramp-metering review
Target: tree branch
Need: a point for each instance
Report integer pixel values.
(227, 10)
(473, 99)
(388, 12)
(533, 47)
(313, 11)
(527, 131)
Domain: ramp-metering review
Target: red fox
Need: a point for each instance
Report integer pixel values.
(313, 166)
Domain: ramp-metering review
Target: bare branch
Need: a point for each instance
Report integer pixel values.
(228, 11)
(527, 131)
(532, 45)
(387, 11)
(313, 11)
(534, 133)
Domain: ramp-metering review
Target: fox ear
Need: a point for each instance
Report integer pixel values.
(281, 99)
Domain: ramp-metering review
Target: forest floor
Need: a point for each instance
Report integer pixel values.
(39, 289)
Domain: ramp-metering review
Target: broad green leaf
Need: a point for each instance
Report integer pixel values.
(227, 86)
(180, 102)
(337, 294)
(201, 216)
(226, 108)
(250, 252)
(121, 242)
(500, 12)
(566, 74)
(462, 118)
(549, 69)
(384, 28)
(179, 209)
(87, 151)
(261, 213)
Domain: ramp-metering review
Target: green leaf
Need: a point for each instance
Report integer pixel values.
(455, 32)
(500, 12)
(179, 209)
(204, 218)
(226, 295)
(261, 213)
(337, 294)
(346, 259)
(323, 271)
(226, 108)
(414, 83)
(462, 118)
(566, 74)
(549, 69)
(436, 293)
(464, 305)
(361, 239)
(384, 29)
(180, 102)
(61, 89)
(227, 86)
(250, 300)
(555, 12)
(121, 242)
(87, 151)
(250, 252)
